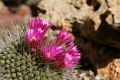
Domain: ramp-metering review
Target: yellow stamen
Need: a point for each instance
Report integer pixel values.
(33, 38)
(48, 54)
(65, 62)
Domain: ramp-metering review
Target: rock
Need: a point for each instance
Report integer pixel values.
(105, 34)
(62, 13)
(115, 69)
(115, 11)
(112, 3)
(99, 78)
(7, 18)
(112, 71)
(74, 11)
(1, 5)
(31, 2)
(102, 57)
(15, 5)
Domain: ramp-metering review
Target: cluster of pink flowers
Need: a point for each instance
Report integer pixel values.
(61, 51)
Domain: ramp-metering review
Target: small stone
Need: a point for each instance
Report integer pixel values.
(86, 78)
(82, 74)
(91, 73)
(98, 77)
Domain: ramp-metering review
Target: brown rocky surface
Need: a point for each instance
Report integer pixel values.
(7, 18)
(62, 13)
(66, 12)
(112, 71)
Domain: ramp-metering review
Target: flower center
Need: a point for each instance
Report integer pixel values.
(48, 54)
(33, 38)
(65, 62)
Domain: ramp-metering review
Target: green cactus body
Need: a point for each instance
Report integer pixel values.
(20, 64)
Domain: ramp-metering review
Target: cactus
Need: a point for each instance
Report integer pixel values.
(17, 61)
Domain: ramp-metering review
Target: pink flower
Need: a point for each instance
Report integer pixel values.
(38, 23)
(35, 36)
(64, 61)
(68, 61)
(62, 52)
(36, 30)
(50, 52)
(64, 37)
(72, 50)
(68, 58)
